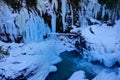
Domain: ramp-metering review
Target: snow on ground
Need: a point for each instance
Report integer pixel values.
(105, 75)
(78, 75)
(32, 58)
(103, 42)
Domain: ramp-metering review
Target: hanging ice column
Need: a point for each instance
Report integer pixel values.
(8, 30)
(53, 22)
(82, 16)
(50, 11)
(32, 26)
(36, 28)
(21, 19)
(88, 11)
(71, 9)
(64, 2)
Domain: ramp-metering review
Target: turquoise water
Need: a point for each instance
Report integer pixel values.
(68, 66)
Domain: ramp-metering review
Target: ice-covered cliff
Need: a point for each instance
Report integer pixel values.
(25, 20)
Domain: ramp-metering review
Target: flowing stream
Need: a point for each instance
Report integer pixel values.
(70, 64)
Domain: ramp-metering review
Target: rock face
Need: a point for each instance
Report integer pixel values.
(25, 20)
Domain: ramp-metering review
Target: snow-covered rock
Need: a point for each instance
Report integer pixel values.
(104, 75)
(78, 75)
(103, 43)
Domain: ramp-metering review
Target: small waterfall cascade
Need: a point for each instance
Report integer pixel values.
(23, 20)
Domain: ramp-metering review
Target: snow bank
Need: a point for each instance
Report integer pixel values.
(103, 42)
(104, 75)
(33, 58)
(78, 75)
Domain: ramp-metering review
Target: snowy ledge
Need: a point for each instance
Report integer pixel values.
(103, 43)
(33, 61)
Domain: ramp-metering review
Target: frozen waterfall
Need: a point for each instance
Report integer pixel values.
(27, 24)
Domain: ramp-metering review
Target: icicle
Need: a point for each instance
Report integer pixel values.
(64, 13)
(22, 18)
(53, 22)
(7, 23)
(55, 3)
(72, 14)
(41, 6)
(96, 9)
(103, 11)
(89, 9)
(93, 8)
(35, 29)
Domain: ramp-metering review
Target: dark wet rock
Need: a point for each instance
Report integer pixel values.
(91, 30)
(21, 77)
(24, 53)
(16, 62)
(110, 23)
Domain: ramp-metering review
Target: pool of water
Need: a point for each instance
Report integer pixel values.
(68, 66)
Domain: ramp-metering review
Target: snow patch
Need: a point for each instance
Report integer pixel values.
(78, 75)
(104, 75)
